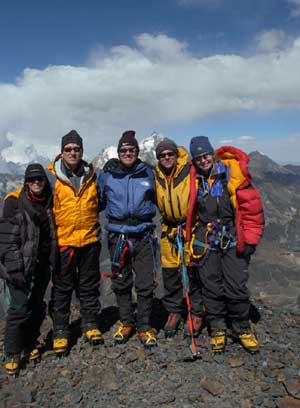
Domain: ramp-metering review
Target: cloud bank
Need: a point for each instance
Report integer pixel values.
(154, 84)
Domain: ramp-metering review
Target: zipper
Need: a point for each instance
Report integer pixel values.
(170, 201)
(178, 205)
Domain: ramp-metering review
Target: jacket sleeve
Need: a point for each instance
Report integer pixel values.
(10, 246)
(251, 214)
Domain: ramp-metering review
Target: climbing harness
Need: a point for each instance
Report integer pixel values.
(216, 239)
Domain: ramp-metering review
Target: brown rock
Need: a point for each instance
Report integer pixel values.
(287, 402)
(215, 388)
(64, 372)
(236, 361)
(246, 404)
(293, 387)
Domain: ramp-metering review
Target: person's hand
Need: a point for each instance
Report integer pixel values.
(249, 250)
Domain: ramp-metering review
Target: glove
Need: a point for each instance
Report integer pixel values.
(249, 250)
(111, 165)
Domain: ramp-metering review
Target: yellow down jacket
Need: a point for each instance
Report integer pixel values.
(75, 212)
(173, 201)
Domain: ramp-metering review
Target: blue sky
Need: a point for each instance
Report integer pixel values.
(224, 68)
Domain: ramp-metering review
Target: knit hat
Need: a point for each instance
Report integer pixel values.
(200, 145)
(34, 170)
(166, 144)
(71, 137)
(128, 138)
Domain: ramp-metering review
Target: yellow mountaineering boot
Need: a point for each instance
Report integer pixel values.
(218, 341)
(148, 338)
(94, 336)
(123, 333)
(60, 343)
(34, 355)
(249, 341)
(12, 365)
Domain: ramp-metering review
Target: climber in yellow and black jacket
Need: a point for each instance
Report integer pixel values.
(173, 192)
(75, 208)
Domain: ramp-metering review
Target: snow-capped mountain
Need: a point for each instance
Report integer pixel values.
(147, 151)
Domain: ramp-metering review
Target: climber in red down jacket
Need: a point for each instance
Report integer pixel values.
(224, 225)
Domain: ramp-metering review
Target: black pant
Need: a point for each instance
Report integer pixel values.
(224, 278)
(26, 314)
(82, 275)
(173, 291)
(140, 261)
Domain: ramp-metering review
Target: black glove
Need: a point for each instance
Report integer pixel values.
(111, 165)
(249, 250)
(17, 280)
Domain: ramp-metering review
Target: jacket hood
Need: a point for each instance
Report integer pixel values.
(229, 154)
(55, 168)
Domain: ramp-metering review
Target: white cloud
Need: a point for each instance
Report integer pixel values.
(272, 40)
(246, 138)
(150, 86)
(209, 4)
(295, 8)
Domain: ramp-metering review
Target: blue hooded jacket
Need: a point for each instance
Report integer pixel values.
(129, 197)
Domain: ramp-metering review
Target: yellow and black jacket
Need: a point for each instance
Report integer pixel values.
(173, 194)
(75, 212)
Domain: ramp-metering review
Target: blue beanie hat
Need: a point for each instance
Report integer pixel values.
(200, 145)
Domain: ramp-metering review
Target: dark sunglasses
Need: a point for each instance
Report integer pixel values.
(128, 149)
(168, 154)
(36, 178)
(203, 157)
(69, 149)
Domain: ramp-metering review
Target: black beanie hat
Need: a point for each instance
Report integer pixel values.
(128, 138)
(34, 170)
(71, 137)
(166, 144)
(200, 145)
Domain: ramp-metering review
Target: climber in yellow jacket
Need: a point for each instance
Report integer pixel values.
(173, 192)
(75, 208)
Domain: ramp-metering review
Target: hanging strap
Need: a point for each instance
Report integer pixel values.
(122, 247)
(66, 256)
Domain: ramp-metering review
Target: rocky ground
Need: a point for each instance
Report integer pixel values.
(167, 376)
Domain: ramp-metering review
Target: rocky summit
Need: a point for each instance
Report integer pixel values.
(167, 376)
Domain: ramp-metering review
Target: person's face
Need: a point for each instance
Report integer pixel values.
(167, 159)
(204, 162)
(72, 154)
(36, 185)
(128, 155)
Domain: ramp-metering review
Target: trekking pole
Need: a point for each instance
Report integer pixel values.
(186, 291)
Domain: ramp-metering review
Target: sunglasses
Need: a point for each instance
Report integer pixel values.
(203, 157)
(168, 154)
(69, 149)
(36, 178)
(128, 150)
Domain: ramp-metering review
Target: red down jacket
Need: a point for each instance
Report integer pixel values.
(245, 198)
